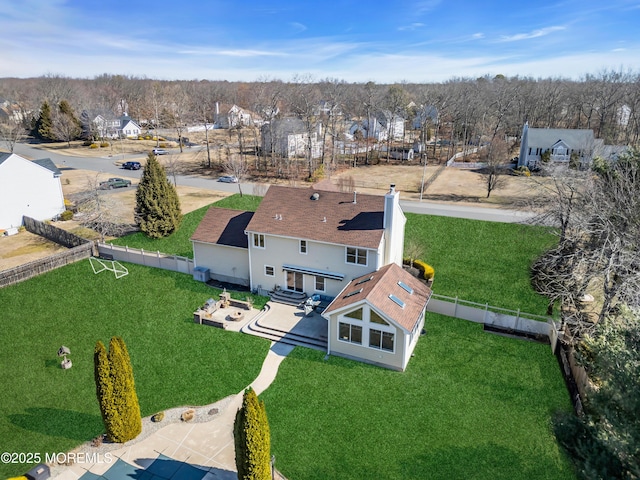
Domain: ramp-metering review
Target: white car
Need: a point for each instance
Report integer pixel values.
(159, 151)
(228, 179)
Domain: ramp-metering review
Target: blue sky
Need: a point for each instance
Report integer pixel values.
(357, 41)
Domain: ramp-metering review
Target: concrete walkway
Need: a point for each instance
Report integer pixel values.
(208, 445)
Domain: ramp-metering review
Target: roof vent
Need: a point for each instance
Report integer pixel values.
(324, 219)
(355, 195)
(315, 196)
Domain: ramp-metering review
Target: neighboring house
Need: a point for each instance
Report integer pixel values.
(324, 242)
(11, 112)
(398, 153)
(378, 317)
(30, 188)
(563, 144)
(288, 137)
(383, 125)
(129, 128)
(231, 116)
(425, 114)
(101, 123)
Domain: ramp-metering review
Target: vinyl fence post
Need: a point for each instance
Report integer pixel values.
(486, 309)
(455, 308)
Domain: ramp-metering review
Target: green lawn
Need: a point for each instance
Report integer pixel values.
(175, 362)
(482, 261)
(178, 243)
(471, 405)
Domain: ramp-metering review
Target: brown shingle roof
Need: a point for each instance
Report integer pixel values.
(376, 292)
(223, 226)
(332, 218)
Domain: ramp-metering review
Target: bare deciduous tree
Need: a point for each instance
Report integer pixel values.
(97, 210)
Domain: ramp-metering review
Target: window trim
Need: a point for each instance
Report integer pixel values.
(382, 334)
(258, 238)
(351, 327)
(301, 250)
(357, 254)
(273, 271)
(324, 283)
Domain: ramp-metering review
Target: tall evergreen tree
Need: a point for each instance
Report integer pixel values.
(116, 392)
(157, 204)
(43, 128)
(252, 439)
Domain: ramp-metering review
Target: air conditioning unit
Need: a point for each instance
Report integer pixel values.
(201, 274)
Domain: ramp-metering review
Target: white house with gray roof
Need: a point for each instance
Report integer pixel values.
(563, 144)
(28, 188)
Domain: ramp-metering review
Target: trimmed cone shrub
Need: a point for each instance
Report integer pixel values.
(104, 388)
(116, 392)
(127, 422)
(252, 439)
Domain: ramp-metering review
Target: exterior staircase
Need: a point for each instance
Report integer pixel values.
(287, 297)
(258, 328)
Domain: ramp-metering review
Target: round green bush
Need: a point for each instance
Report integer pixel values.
(104, 144)
(93, 145)
(66, 215)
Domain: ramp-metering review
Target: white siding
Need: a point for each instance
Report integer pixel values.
(279, 251)
(27, 188)
(228, 264)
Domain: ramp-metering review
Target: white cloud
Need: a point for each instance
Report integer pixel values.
(533, 34)
(413, 26)
(298, 27)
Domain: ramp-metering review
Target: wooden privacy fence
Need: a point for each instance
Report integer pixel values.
(139, 256)
(53, 233)
(31, 269)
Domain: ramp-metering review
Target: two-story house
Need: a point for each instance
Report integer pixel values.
(344, 246)
(302, 240)
(30, 188)
(288, 137)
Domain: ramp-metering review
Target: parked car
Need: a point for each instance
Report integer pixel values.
(159, 151)
(228, 179)
(115, 183)
(131, 165)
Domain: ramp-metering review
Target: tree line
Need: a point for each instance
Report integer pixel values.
(607, 102)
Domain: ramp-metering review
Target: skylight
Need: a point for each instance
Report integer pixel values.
(351, 294)
(405, 287)
(364, 280)
(396, 300)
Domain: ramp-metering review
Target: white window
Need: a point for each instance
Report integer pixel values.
(357, 256)
(269, 271)
(258, 240)
(381, 340)
(350, 333)
(320, 284)
(303, 247)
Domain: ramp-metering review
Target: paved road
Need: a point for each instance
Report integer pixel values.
(108, 165)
